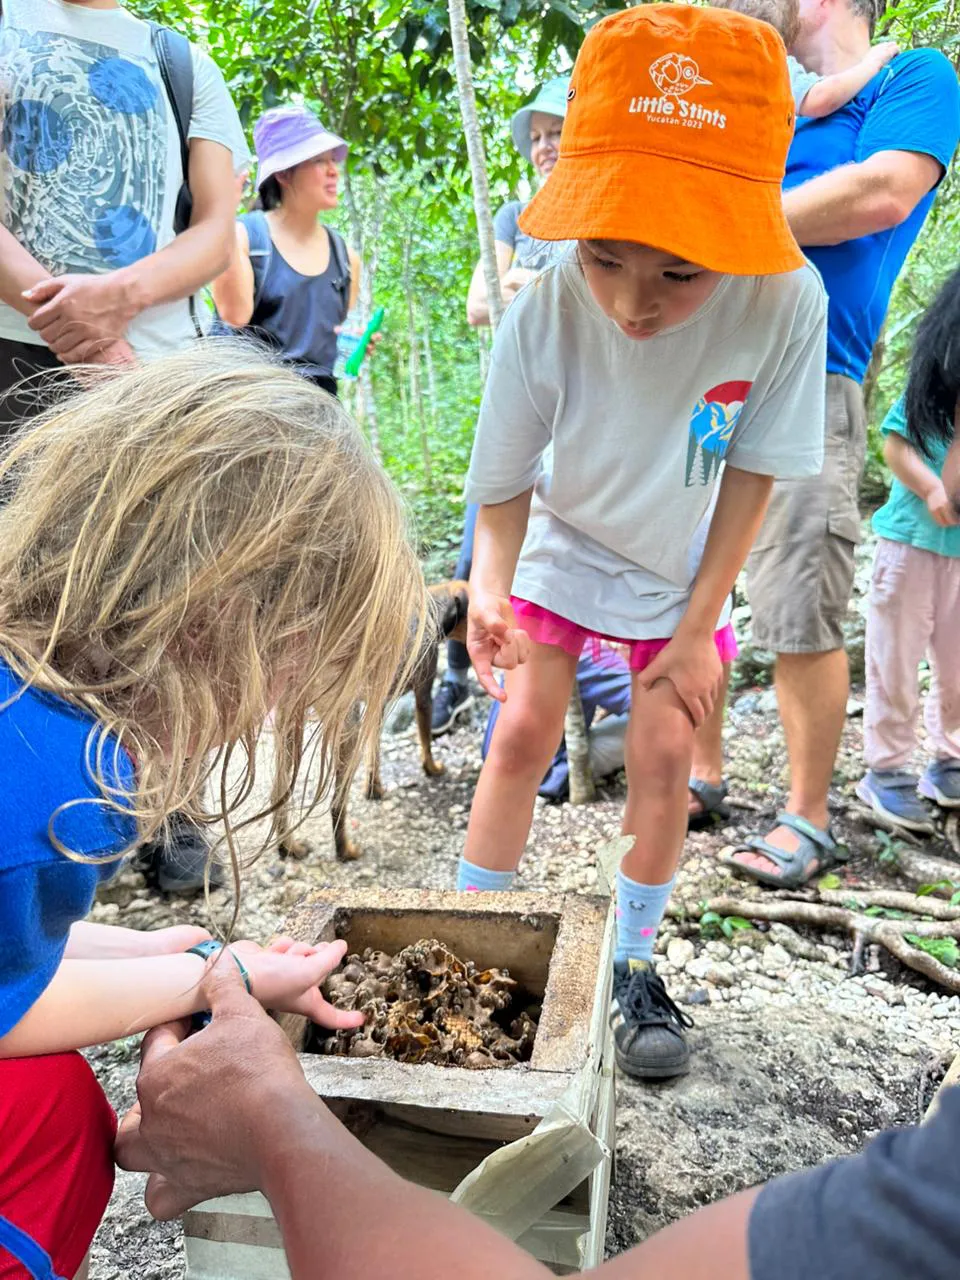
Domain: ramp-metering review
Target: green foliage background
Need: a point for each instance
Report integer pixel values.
(380, 73)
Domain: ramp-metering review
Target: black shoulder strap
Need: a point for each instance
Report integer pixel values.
(341, 260)
(175, 61)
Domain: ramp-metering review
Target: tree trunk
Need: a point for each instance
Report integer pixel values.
(416, 391)
(475, 154)
(582, 787)
(873, 373)
(368, 247)
(431, 371)
(483, 352)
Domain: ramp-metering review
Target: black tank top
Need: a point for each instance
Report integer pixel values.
(296, 314)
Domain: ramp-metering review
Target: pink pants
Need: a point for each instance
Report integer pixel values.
(914, 610)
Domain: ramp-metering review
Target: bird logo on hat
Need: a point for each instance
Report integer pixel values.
(675, 74)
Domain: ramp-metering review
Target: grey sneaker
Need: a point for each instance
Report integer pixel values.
(647, 1026)
(941, 783)
(179, 861)
(451, 700)
(893, 794)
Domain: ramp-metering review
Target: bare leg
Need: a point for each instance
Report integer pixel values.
(84, 1272)
(659, 750)
(812, 691)
(527, 734)
(708, 747)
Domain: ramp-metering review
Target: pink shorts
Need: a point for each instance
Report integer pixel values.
(549, 628)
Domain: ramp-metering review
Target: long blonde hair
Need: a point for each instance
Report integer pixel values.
(190, 544)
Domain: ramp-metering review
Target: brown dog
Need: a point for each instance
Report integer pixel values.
(450, 601)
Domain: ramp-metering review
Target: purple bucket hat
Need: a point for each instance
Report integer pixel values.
(286, 136)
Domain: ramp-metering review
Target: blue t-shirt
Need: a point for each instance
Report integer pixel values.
(904, 516)
(45, 754)
(913, 104)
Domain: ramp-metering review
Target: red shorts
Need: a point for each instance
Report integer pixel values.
(57, 1131)
(546, 627)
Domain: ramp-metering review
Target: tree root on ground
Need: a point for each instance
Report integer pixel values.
(863, 929)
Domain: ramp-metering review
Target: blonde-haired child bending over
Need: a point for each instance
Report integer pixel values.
(184, 547)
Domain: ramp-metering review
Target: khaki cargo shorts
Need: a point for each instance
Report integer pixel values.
(800, 572)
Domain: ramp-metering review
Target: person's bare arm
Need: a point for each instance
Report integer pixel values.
(228, 1110)
(951, 467)
(690, 661)
(19, 271)
(73, 309)
(860, 199)
(831, 93)
(356, 271)
(94, 1001)
(89, 941)
(737, 517)
(909, 467)
(478, 312)
(234, 290)
(492, 637)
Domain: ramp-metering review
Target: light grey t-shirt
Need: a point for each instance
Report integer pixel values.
(801, 81)
(624, 440)
(532, 254)
(90, 159)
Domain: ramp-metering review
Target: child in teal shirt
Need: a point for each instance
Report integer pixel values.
(914, 605)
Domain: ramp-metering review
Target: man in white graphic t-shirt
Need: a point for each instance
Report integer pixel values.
(90, 169)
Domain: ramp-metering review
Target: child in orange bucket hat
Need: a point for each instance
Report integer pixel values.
(644, 393)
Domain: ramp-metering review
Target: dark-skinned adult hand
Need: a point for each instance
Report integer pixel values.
(206, 1102)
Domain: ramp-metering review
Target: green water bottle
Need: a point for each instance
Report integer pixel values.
(355, 360)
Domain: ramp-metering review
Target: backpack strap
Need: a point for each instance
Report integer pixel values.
(175, 61)
(261, 250)
(341, 261)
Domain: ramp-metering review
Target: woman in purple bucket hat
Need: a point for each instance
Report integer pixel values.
(292, 279)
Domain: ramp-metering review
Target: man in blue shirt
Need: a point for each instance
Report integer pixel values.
(859, 184)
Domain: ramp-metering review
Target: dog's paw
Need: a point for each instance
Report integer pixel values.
(348, 850)
(433, 768)
(294, 847)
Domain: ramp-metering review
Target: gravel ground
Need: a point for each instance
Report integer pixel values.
(794, 1061)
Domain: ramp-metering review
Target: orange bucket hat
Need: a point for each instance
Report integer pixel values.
(676, 135)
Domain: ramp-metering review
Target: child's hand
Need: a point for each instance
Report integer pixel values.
(881, 54)
(941, 509)
(494, 640)
(290, 982)
(693, 667)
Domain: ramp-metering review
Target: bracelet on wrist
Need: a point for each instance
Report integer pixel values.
(210, 947)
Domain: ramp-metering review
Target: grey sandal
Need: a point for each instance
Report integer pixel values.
(816, 853)
(713, 809)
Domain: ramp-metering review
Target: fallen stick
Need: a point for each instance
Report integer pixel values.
(925, 868)
(896, 899)
(888, 933)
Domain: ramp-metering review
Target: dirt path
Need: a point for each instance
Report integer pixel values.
(793, 1060)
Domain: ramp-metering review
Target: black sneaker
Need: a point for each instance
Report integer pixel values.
(179, 861)
(647, 1026)
(451, 700)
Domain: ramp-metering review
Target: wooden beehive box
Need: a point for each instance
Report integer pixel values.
(527, 1147)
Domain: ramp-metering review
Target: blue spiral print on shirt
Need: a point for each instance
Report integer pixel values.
(122, 85)
(35, 137)
(83, 173)
(123, 236)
